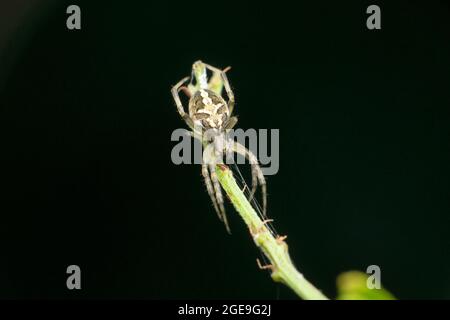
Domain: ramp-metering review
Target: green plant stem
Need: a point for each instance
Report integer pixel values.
(275, 249)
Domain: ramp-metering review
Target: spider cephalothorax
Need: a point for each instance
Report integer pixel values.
(209, 117)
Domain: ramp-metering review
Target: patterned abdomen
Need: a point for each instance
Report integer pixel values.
(208, 109)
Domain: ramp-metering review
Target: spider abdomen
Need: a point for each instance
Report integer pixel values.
(208, 109)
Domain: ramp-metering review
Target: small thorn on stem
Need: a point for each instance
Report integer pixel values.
(264, 222)
(264, 267)
(280, 239)
(254, 231)
(222, 166)
(227, 69)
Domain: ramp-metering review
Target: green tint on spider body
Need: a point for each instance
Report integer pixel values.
(208, 110)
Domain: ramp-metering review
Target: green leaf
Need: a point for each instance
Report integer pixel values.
(352, 285)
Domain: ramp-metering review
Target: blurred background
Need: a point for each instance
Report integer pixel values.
(86, 118)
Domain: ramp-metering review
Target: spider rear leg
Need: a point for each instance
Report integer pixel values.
(257, 174)
(254, 181)
(226, 84)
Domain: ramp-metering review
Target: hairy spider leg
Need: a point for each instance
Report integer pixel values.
(257, 174)
(209, 188)
(176, 97)
(211, 160)
(226, 84)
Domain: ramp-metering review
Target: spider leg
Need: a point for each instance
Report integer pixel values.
(209, 187)
(226, 84)
(230, 123)
(175, 93)
(257, 175)
(219, 196)
(238, 148)
(210, 159)
(254, 182)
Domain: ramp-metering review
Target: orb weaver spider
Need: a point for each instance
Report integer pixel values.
(210, 117)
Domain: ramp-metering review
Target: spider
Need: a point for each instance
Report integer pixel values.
(210, 117)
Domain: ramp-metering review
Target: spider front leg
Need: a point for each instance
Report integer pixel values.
(176, 97)
(226, 84)
(257, 174)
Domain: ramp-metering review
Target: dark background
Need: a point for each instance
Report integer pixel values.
(85, 124)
